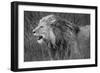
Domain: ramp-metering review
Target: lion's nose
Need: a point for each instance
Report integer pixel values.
(33, 31)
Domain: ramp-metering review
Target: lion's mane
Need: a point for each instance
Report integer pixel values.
(66, 44)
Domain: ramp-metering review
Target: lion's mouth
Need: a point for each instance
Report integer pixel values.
(39, 37)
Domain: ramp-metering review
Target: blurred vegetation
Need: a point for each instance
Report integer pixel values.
(32, 50)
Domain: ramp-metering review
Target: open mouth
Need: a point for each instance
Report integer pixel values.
(39, 37)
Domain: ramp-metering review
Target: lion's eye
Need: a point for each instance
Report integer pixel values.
(41, 26)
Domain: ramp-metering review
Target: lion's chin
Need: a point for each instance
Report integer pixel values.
(40, 41)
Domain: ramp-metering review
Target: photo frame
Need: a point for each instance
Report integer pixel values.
(48, 36)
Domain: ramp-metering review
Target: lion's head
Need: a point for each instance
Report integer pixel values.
(44, 30)
(59, 34)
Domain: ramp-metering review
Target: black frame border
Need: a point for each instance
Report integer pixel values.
(14, 35)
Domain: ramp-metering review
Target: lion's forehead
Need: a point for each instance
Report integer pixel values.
(40, 29)
(48, 19)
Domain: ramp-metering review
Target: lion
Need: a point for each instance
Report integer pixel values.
(62, 38)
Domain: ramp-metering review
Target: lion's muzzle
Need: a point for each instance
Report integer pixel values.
(39, 37)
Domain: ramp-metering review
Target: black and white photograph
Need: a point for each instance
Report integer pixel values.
(53, 36)
(56, 36)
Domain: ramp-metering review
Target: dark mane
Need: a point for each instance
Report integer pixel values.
(65, 23)
(66, 40)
